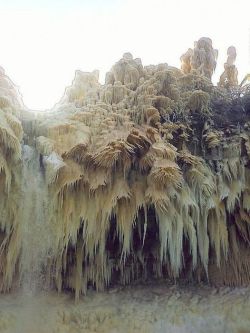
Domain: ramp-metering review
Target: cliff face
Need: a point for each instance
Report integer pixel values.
(146, 176)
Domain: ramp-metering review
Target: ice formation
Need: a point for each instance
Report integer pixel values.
(146, 176)
(202, 58)
(230, 75)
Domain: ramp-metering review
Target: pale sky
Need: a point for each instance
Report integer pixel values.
(43, 42)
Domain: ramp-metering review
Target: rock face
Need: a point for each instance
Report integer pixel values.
(150, 308)
(147, 176)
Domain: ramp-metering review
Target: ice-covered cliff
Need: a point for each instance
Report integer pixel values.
(144, 177)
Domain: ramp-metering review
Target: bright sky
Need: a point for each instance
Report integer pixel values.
(43, 42)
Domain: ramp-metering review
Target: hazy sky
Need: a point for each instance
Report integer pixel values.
(43, 42)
